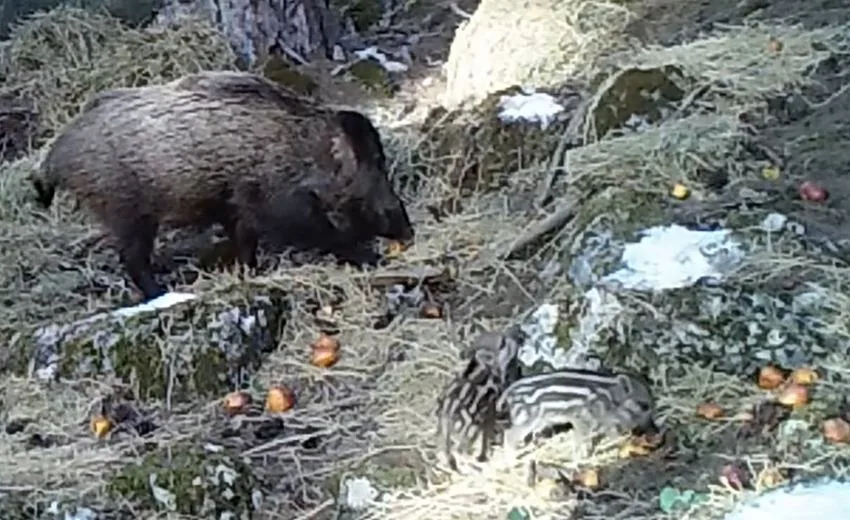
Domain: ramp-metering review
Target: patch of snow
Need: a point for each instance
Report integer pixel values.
(671, 257)
(601, 310)
(534, 107)
(163, 302)
(161, 495)
(541, 342)
(80, 513)
(823, 500)
(398, 298)
(373, 53)
(359, 493)
(774, 222)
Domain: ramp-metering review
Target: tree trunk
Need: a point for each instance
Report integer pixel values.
(298, 28)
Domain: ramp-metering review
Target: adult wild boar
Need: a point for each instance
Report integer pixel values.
(243, 153)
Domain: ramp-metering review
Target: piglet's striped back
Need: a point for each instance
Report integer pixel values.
(588, 400)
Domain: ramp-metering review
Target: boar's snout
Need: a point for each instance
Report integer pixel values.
(384, 208)
(390, 214)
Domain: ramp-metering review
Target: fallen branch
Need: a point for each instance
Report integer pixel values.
(409, 276)
(562, 214)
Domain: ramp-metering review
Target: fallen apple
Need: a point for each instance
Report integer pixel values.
(804, 376)
(770, 377)
(836, 430)
(279, 399)
(794, 395)
(236, 402)
(812, 192)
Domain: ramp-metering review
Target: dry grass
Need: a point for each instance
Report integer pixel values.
(374, 409)
(536, 48)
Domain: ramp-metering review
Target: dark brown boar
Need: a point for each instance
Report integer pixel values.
(245, 154)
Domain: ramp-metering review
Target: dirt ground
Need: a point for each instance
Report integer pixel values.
(367, 415)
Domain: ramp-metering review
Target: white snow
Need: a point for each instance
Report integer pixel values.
(774, 222)
(541, 340)
(666, 257)
(824, 500)
(381, 58)
(359, 493)
(533, 107)
(163, 302)
(674, 256)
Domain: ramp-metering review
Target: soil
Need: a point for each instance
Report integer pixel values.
(811, 130)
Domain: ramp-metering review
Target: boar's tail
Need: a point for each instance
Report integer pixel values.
(45, 191)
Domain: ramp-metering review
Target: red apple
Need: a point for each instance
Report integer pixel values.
(809, 191)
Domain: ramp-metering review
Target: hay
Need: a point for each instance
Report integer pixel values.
(545, 43)
(59, 58)
(727, 58)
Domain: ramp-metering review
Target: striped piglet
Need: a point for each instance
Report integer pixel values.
(591, 402)
(467, 406)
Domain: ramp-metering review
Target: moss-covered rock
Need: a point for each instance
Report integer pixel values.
(199, 348)
(648, 93)
(278, 70)
(476, 151)
(188, 479)
(373, 76)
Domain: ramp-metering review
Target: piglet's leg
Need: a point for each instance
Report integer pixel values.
(514, 438)
(135, 246)
(444, 434)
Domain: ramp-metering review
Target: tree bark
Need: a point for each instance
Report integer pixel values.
(298, 28)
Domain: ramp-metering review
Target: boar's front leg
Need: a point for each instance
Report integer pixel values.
(244, 238)
(357, 254)
(135, 247)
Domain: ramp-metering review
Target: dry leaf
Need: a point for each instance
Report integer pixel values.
(101, 426)
(326, 342)
(588, 478)
(770, 477)
(680, 191)
(710, 410)
(640, 446)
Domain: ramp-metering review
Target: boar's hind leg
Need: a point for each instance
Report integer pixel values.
(135, 246)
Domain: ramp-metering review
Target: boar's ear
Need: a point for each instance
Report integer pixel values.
(364, 139)
(341, 151)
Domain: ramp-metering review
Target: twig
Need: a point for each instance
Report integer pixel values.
(571, 135)
(563, 213)
(425, 275)
(458, 11)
